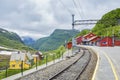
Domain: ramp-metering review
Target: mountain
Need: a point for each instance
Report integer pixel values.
(57, 38)
(28, 40)
(11, 40)
(10, 35)
(109, 24)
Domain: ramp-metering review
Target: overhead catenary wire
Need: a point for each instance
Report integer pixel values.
(69, 11)
(81, 8)
(76, 7)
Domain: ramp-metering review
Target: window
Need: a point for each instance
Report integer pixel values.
(13, 65)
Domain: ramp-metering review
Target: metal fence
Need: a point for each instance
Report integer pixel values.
(5, 71)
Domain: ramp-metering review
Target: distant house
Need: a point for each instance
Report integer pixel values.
(18, 58)
(89, 35)
(107, 41)
(92, 39)
(79, 40)
(36, 58)
(38, 55)
(88, 39)
(117, 43)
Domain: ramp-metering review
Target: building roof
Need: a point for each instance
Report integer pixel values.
(88, 34)
(29, 55)
(92, 38)
(19, 56)
(35, 55)
(38, 53)
(79, 37)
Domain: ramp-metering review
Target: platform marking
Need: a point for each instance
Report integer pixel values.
(112, 66)
(97, 65)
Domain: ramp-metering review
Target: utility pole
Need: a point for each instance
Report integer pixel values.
(73, 21)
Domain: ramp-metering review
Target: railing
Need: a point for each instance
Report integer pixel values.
(5, 71)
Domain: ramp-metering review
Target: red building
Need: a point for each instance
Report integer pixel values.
(107, 41)
(92, 39)
(88, 39)
(69, 45)
(117, 43)
(87, 36)
(79, 40)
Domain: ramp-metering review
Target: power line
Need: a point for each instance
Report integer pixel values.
(81, 8)
(75, 4)
(69, 11)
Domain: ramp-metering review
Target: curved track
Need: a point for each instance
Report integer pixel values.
(70, 69)
(73, 71)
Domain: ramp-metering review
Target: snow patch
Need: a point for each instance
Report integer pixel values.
(4, 31)
(6, 52)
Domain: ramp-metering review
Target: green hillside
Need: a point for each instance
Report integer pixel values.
(10, 35)
(56, 39)
(83, 32)
(109, 24)
(11, 40)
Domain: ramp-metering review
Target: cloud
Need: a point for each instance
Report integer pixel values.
(41, 17)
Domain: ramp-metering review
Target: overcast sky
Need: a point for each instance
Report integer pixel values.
(39, 18)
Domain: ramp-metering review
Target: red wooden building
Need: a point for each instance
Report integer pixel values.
(88, 39)
(92, 39)
(79, 40)
(107, 41)
(117, 43)
(88, 36)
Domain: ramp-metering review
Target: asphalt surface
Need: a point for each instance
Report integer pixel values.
(104, 71)
(108, 63)
(114, 55)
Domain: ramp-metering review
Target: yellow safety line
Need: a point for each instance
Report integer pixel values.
(97, 65)
(112, 66)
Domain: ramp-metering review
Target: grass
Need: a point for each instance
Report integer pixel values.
(4, 60)
(10, 72)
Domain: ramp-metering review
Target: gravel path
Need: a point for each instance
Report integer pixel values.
(88, 73)
(49, 71)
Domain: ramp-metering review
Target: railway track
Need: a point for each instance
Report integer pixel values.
(73, 71)
(70, 69)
